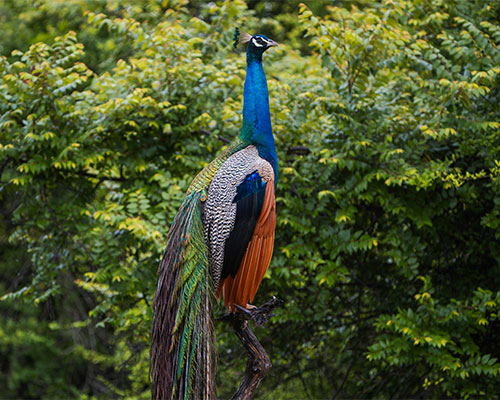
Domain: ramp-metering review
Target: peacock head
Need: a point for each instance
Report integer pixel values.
(260, 43)
(257, 44)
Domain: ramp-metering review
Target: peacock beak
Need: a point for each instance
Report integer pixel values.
(271, 43)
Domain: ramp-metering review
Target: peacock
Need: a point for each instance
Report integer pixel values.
(220, 245)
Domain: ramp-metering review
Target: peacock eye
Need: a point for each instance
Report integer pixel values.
(258, 42)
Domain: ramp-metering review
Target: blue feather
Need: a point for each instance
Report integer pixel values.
(252, 183)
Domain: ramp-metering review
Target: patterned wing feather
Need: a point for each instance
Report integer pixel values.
(241, 191)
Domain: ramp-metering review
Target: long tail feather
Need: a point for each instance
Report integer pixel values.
(183, 352)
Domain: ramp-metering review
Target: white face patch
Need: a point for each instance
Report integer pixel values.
(256, 44)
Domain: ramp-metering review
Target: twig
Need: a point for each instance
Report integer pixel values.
(302, 150)
(223, 139)
(220, 137)
(104, 178)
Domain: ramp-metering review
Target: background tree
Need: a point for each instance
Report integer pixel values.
(387, 124)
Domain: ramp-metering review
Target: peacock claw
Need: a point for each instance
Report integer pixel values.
(260, 315)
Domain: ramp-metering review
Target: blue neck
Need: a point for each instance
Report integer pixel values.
(256, 117)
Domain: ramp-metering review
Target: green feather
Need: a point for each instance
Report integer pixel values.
(186, 336)
(191, 369)
(183, 350)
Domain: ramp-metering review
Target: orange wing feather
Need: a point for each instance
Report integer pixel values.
(242, 288)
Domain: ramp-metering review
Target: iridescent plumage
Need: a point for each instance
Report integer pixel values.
(220, 242)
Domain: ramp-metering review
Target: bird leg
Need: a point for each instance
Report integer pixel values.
(259, 363)
(260, 315)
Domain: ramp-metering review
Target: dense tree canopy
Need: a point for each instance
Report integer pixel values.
(387, 252)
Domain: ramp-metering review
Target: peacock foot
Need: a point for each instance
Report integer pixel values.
(260, 315)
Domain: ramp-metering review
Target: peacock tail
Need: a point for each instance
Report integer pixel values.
(183, 340)
(183, 351)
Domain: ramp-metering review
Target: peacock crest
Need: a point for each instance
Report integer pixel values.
(245, 38)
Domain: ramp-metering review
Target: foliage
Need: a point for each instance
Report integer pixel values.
(387, 256)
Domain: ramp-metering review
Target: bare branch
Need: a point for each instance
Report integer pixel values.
(259, 363)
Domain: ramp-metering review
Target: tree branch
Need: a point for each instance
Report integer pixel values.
(121, 178)
(259, 363)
